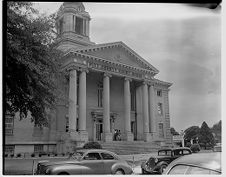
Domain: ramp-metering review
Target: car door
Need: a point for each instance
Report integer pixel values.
(92, 163)
(109, 160)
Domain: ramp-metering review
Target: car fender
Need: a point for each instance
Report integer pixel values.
(70, 169)
(160, 164)
(125, 167)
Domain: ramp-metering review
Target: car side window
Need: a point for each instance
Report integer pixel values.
(185, 152)
(178, 169)
(198, 170)
(92, 156)
(107, 156)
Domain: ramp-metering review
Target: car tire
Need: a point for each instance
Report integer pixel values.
(63, 173)
(143, 171)
(162, 168)
(119, 172)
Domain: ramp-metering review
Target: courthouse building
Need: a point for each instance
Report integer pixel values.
(107, 86)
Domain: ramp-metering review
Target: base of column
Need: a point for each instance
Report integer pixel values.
(74, 136)
(129, 136)
(147, 137)
(83, 135)
(153, 136)
(107, 137)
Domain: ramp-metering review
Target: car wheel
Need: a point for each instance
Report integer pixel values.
(162, 168)
(143, 171)
(119, 172)
(63, 173)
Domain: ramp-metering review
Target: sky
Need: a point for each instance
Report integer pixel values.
(183, 42)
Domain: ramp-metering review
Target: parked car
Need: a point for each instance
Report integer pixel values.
(165, 156)
(197, 164)
(195, 147)
(217, 148)
(87, 161)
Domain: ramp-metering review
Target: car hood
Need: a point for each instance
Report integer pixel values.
(50, 163)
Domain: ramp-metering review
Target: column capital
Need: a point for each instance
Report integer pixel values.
(128, 79)
(145, 82)
(84, 70)
(107, 74)
(72, 67)
(151, 84)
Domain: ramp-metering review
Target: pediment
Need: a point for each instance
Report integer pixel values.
(117, 52)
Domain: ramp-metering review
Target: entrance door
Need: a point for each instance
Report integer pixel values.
(134, 129)
(99, 131)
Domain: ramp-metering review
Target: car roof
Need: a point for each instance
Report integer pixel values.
(96, 150)
(210, 160)
(172, 149)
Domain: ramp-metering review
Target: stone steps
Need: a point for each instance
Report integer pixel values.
(135, 147)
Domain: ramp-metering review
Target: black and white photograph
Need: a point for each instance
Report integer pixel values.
(109, 88)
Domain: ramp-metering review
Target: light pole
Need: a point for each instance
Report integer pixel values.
(182, 134)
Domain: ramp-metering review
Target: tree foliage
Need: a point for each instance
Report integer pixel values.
(31, 62)
(191, 133)
(216, 129)
(173, 131)
(206, 136)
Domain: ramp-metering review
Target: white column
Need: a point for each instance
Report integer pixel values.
(82, 106)
(72, 100)
(152, 111)
(145, 112)
(106, 106)
(127, 108)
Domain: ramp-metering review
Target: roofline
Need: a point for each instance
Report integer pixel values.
(115, 44)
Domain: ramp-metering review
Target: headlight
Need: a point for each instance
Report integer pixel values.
(156, 160)
(47, 171)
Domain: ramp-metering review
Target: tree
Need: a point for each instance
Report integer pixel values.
(216, 129)
(191, 133)
(173, 131)
(206, 137)
(31, 62)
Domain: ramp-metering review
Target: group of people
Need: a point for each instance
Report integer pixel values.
(117, 135)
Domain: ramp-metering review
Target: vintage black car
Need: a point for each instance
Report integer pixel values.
(196, 164)
(165, 156)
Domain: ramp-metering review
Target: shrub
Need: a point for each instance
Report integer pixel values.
(92, 145)
(55, 154)
(6, 155)
(40, 155)
(195, 147)
(63, 154)
(11, 155)
(48, 154)
(32, 155)
(19, 155)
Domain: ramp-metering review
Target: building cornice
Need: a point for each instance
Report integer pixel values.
(115, 44)
(103, 65)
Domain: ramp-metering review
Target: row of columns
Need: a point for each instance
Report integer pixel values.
(148, 112)
(148, 105)
(73, 104)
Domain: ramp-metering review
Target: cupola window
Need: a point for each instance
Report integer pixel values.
(79, 25)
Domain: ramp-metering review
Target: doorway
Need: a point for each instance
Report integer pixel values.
(99, 130)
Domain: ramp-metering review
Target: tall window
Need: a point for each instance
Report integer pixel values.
(100, 94)
(80, 25)
(67, 124)
(159, 93)
(9, 149)
(9, 124)
(161, 131)
(160, 110)
(38, 148)
(133, 100)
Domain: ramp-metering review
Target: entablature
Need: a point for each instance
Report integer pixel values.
(102, 65)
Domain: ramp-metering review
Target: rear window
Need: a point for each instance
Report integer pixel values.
(165, 153)
(178, 169)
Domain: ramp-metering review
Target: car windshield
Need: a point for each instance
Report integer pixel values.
(164, 153)
(76, 155)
